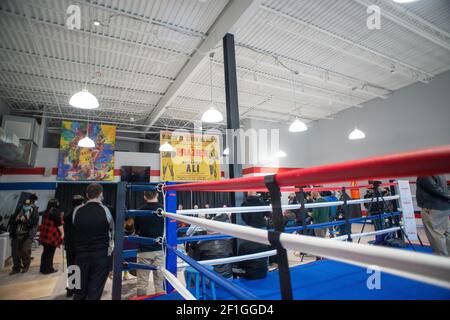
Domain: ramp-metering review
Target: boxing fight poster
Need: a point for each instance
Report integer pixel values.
(86, 164)
(195, 157)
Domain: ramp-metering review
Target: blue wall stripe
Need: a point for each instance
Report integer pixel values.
(28, 186)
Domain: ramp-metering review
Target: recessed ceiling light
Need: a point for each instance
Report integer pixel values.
(405, 1)
(97, 23)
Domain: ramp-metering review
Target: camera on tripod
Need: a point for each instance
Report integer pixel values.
(375, 183)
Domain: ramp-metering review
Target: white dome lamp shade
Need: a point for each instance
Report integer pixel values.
(297, 126)
(212, 115)
(356, 134)
(84, 100)
(166, 147)
(405, 1)
(281, 154)
(86, 142)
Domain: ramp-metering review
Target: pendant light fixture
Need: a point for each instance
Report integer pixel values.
(84, 99)
(405, 1)
(166, 147)
(356, 134)
(298, 125)
(86, 142)
(212, 115)
(281, 154)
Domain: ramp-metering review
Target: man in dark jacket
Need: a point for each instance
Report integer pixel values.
(256, 268)
(433, 197)
(216, 249)
(93, 223)
(254, 219)
(151, 227)
(69, 236)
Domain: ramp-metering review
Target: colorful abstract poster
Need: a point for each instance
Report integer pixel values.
(86, 164)
(195, 157)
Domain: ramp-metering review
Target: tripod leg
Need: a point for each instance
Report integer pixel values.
(362, 229)
(420, 240)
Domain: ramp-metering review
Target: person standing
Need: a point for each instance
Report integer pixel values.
(151, 226)
(254, 219)
(216, 249)
(69, 236)
(92, 223)
(51, 235)
(434, 200)
(22, 228)
(320, 215)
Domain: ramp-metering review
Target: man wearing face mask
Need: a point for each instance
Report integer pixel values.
(93, 223)
(22, 229)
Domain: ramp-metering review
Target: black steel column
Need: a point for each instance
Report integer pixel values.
(118, 241)
(233, 124)
(231, 94)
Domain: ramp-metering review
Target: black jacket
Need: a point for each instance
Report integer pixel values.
(256, 268)
(215, 249)
(30, 224)
(432, 193)
(150, 226)
(69, 231)
(92, 222)
(354, 210)
(255, 219)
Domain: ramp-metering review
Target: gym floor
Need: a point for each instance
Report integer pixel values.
(35, 286)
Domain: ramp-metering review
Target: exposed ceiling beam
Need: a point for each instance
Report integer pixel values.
(96, 34)
(83, 64)
(140, 17)
(37, 47)
(317, 73)
(328, 39)
(405, 18)
(235, 13)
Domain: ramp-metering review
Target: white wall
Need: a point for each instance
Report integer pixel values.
(413, 117)
(296, 145)
(416, 116)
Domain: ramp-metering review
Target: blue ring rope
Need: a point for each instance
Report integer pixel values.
(238, 292)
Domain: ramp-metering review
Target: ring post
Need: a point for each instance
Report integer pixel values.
(171, 235)
(274, 238)
(348, 228)
(118, 241)
(301, 200)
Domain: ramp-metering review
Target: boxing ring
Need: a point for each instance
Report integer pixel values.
(405, 274)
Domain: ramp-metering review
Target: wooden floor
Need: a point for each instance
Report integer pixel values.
(35, 286)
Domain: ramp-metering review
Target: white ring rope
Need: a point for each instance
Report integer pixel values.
(269, 253)
(181, 289)
(367, 234)
(285, 207)
(417, 266)
(246, 257)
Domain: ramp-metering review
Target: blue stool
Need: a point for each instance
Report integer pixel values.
(192, 274)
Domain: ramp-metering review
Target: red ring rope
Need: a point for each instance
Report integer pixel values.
(428, 161)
